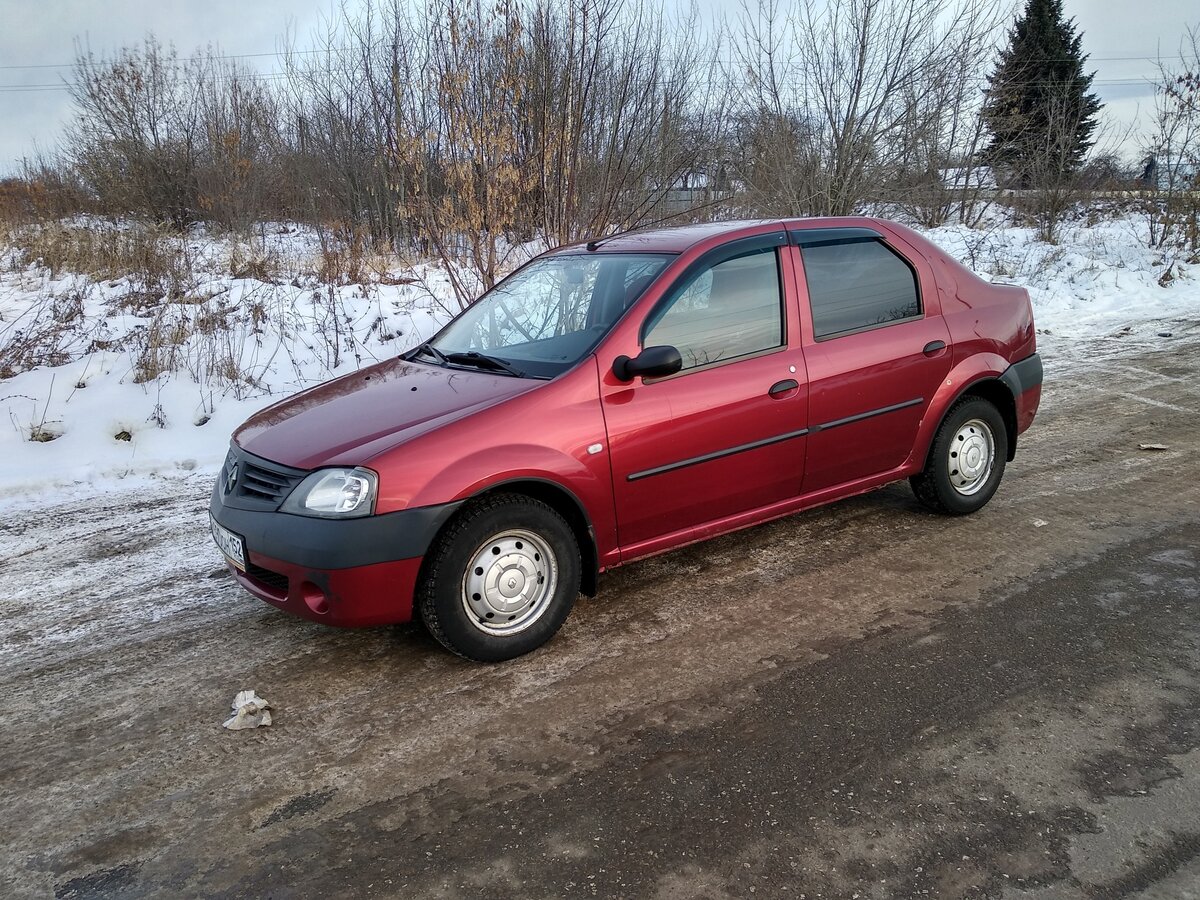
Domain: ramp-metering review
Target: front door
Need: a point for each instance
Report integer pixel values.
(724, 435)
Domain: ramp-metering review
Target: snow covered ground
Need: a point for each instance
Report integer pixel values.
(153, 390)
(145, 390)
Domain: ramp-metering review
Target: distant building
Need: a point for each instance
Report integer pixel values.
(1165, 172)
(968, 177)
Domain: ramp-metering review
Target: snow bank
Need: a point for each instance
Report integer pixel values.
(108, 417)
(1098, 280)
(155, 391)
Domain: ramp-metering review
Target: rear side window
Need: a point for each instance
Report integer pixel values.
(852, 286)
(722, 312)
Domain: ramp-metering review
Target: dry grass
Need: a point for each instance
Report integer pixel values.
(352, 256)
(140, 252)
(44, 433)
(50, 334)
(157, 303)
(249, 261)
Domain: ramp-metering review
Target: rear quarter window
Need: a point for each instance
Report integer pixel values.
(859, 285)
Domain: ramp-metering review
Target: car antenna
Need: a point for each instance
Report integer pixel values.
(596, 242)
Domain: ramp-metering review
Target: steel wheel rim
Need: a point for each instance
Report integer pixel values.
(509, 583)
(971, 457)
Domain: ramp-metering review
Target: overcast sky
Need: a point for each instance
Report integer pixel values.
(1121, 36)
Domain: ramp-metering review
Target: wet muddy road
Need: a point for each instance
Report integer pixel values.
(865, 700)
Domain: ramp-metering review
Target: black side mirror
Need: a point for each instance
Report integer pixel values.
(652, 362)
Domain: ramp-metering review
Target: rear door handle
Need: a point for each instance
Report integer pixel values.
(779, 388)
(933, 347)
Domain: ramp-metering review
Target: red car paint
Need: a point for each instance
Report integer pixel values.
(436, 436)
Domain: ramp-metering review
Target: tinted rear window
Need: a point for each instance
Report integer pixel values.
(858, 285)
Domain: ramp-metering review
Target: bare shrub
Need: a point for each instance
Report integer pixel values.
(44, 191)
(171, 141)
(1056, 184)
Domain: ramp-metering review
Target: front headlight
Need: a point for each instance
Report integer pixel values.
(334, 494)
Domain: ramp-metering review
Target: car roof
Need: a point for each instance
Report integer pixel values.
(677, 239)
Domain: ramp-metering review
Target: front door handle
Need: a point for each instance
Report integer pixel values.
(779, 388)
(934, 347)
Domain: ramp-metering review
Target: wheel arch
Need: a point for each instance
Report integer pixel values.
(566, 504)
(981, 375)
(1000, 395)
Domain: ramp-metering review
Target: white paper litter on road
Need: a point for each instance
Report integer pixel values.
(249, 711)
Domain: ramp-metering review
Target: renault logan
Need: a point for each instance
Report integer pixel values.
(620, 398)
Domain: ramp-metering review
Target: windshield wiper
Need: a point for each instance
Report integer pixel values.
(482, 361)
(431, 350)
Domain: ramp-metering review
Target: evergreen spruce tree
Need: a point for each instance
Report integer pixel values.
(1039, 109)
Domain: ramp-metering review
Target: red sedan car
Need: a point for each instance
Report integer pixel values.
(617, 399)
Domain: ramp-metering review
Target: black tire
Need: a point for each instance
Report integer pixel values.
(533, 544)
(935, 486)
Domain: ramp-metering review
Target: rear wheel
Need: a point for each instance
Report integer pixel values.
(501, 579)
(966, 461)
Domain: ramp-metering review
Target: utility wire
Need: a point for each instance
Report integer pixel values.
(1142, 81)
(71, 65)
(280, 53)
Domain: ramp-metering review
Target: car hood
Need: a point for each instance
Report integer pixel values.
(351, 419)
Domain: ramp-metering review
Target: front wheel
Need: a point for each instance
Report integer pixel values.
(966, 461)
(501, 579)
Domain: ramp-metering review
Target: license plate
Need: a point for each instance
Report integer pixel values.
(229, 543)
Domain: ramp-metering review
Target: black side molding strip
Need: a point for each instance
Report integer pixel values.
(709, 457)
(868, 415)
(765, 442)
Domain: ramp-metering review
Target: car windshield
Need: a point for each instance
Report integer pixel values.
(544, 318)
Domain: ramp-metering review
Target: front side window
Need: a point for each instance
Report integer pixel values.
(545, 317)
(853, 286)
(724, 311)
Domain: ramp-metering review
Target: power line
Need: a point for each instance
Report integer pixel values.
(1138, 81)
(67, 85)
(280, 53)
(277, 53)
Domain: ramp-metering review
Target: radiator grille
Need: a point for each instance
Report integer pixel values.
(259, 481)
(256, 481)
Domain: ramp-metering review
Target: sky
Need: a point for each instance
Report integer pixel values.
(38, 40)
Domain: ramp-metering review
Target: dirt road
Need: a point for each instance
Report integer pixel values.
(860, 701)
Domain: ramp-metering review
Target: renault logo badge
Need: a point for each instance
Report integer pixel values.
(231, 479)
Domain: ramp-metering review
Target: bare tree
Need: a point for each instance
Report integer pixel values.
(136, 136)
(618, 113)
(1173, 149)
(937, 175)
(340, 124)
(856, 86)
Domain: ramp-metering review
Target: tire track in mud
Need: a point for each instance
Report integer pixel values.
(116, 757)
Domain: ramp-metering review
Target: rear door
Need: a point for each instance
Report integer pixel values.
(876, 348)
(726, 434)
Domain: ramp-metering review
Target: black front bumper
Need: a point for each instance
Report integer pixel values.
(323, 543)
